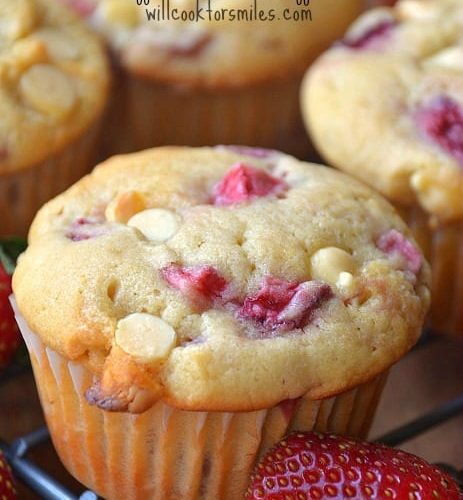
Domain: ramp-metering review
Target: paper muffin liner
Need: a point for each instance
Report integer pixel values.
(166, 453)
(265, 115)
(443, 247)
(24, 191)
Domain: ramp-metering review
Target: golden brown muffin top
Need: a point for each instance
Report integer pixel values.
(53, 80)
(222, 278)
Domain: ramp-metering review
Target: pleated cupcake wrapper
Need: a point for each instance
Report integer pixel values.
(263, 115)
(24, 191)
(166, 453)
(443, 247)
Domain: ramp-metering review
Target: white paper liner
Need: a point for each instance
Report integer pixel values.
(24, 191)
(266, 115)
(442, 246)
(166, 453)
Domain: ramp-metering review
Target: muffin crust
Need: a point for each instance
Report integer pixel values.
(312, 287)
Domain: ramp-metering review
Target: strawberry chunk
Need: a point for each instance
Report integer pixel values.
(86, 228)
(441, 121)
(312, 465)
(82, 7)
(9, 333)
(202, 282)
(244, 183)
(282, 305)
(396, 245)
(371, 37)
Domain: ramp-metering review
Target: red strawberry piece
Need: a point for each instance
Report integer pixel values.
(7, 489)
(81, 7)
(396, 245)
(9, 333)
(311, 465)
(190, 46)
(196, 282)
(371, 37)
(283, 305)
(86, 228)
(243, 183)
(441, 121)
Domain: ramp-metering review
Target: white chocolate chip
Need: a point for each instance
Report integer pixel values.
(145, 336)
(124, 206)
(157, 224)
(430, 193)
(416, 9)
(291, 171)
(347, 284)
(48, 90)
(120, 12)
(328, 264)
(59, 45)
(418, 181)
(450, 58)
(17, 18)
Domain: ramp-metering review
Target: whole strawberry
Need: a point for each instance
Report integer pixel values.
(9, 332)
(7, 489)
(313, 466)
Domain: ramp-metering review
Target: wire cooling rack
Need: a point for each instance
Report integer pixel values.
(49, 488)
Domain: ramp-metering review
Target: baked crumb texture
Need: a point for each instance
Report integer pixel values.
(386, 104)
(221, 279)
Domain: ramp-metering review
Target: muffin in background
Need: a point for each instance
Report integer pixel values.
(202, 303)
(53, 88)
(212, 82)
(386, 105)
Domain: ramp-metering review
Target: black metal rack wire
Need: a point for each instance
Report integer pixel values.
(50, 488)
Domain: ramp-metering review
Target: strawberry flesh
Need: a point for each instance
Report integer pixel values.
(441, 121)
(311, 465)
(282, 305)
(371, 37)
(86, 228)
(202, 282)
(243, 183)
(81, 7)
(396, 245)
(9, 333)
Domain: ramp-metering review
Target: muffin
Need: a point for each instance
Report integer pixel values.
(53, 88)
(204, 302)
(386, 105)
(217, 80)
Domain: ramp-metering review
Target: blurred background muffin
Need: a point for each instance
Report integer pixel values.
(213, 81)
(53, 88)
(386, 105)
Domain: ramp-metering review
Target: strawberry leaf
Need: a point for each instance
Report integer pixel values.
(10, 250)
